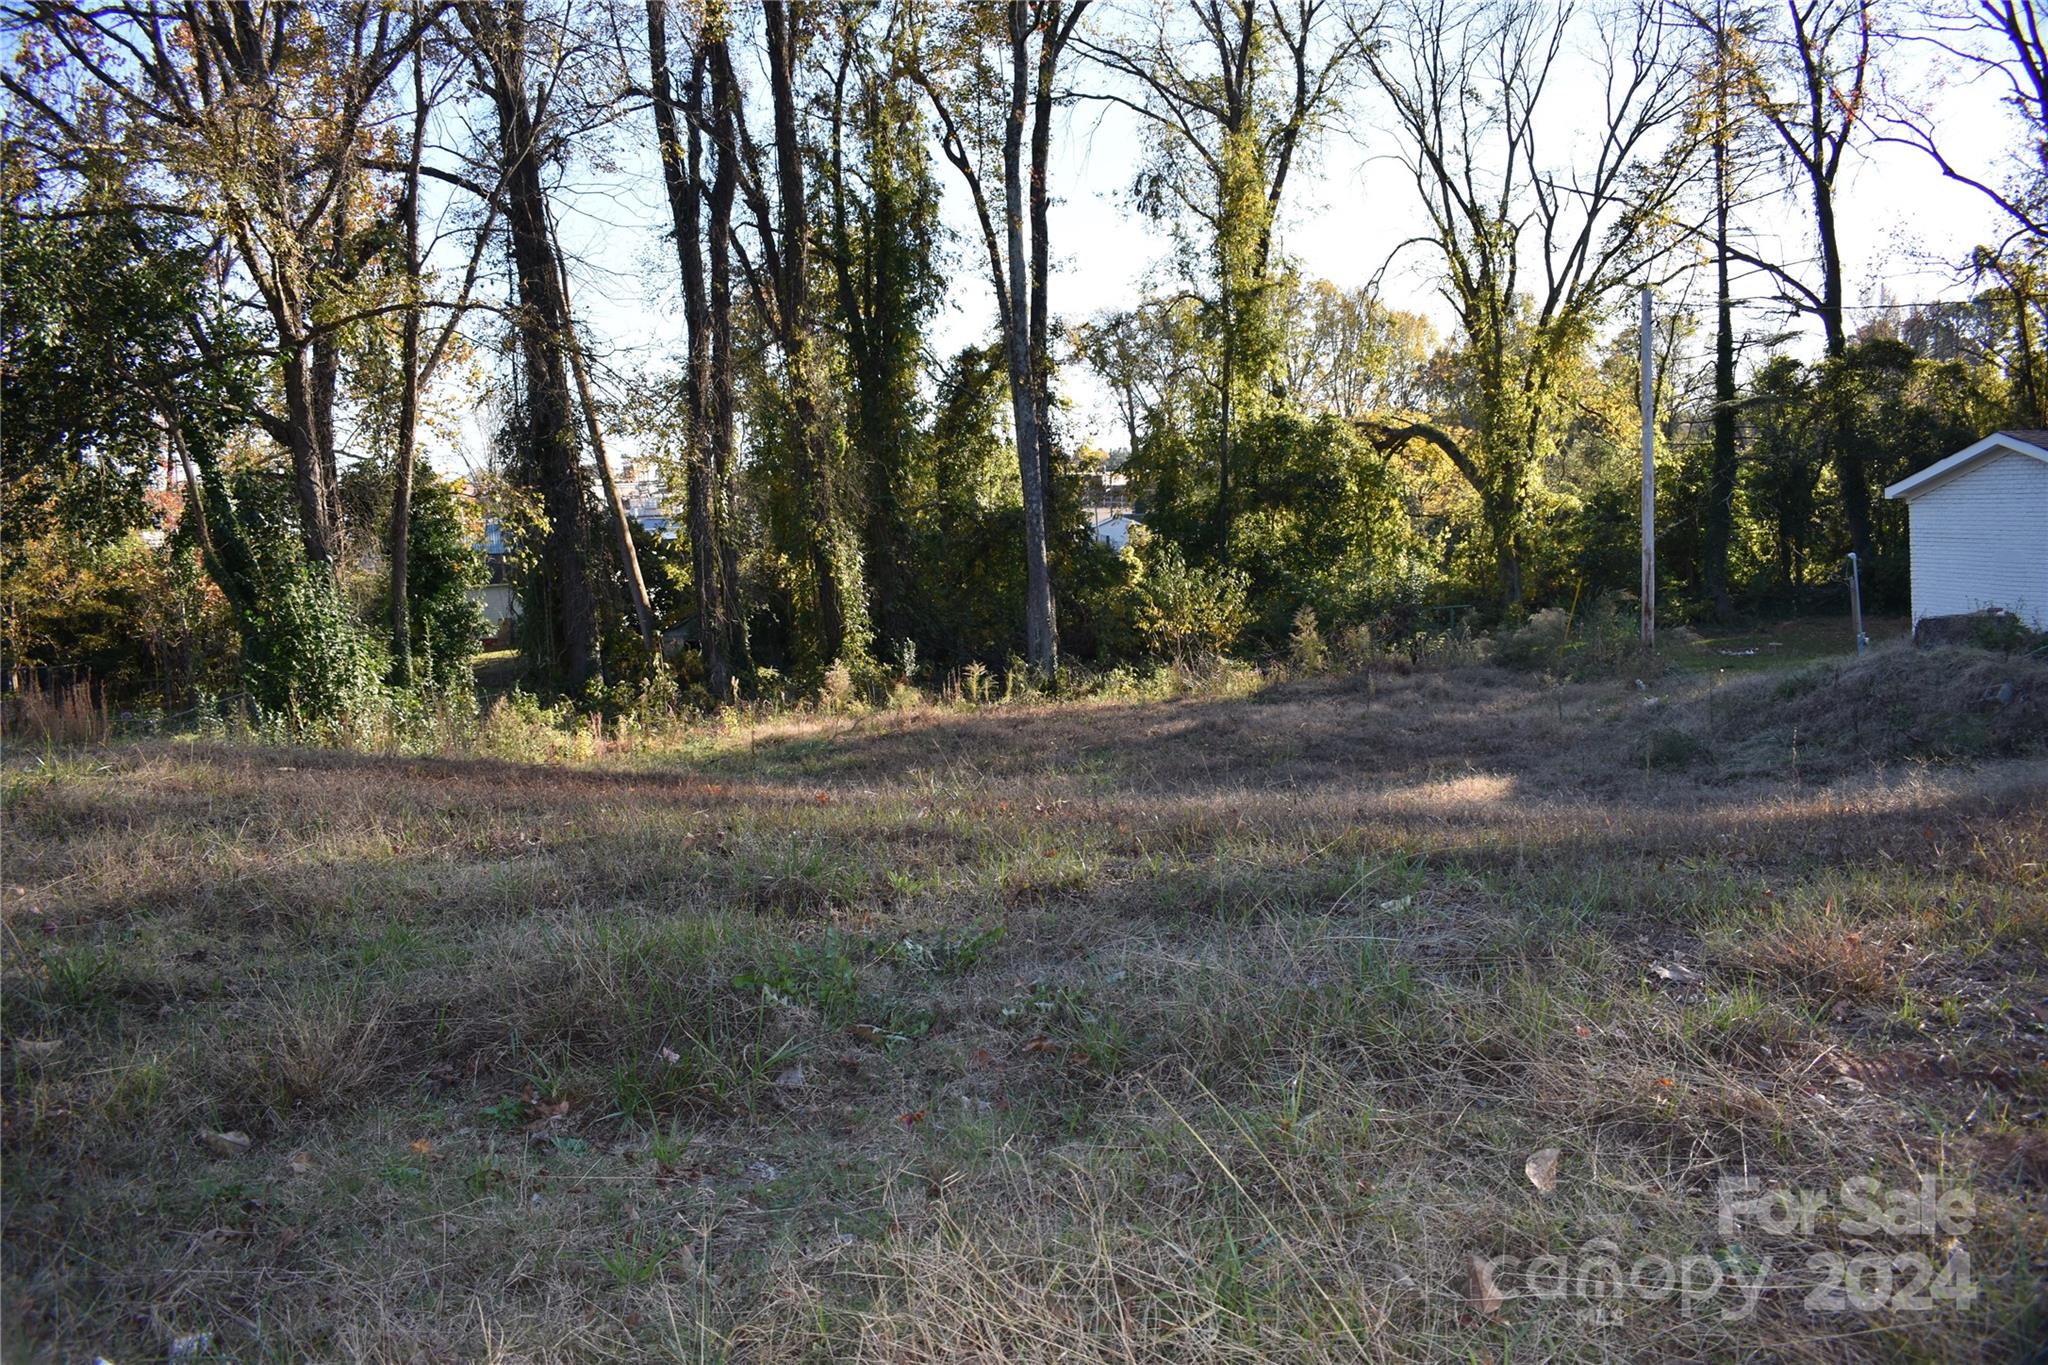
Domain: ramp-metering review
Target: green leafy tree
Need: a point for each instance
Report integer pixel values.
(1233, 95)
(93, 345)
(108, 394)
(882, 248)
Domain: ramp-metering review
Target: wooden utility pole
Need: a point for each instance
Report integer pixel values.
(1649, 591)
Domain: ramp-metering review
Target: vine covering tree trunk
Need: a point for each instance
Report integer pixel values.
(499, 34)
(682, 167)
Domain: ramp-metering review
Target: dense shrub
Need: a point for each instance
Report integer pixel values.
(1188, 613)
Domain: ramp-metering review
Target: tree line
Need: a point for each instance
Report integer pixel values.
(258, 255)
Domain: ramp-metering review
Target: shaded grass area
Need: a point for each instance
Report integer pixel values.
(1762, 647)
(1190, 1030)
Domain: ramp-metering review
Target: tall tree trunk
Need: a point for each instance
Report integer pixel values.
(550, 434)
(1041, 641)
(326, 383)
(875, 315)
(1507, 556)
(1851, 471)
(719, 405)
(813, 442)
(1225, 415)
(2029, 407)
(408, 394)
(315, 491)
(1049, 41)
(682, 172)
(1720, 519)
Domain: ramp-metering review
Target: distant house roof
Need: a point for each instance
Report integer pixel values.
(1114, 529)
(2030, 443)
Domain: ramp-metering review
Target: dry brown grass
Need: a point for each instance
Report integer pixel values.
(1190, 1030)
(1827, 962)
(61, 713)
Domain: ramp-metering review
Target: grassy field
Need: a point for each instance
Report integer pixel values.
(1777, 644)
(1215, 1028)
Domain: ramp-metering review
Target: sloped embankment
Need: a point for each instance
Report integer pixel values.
(1893, 704)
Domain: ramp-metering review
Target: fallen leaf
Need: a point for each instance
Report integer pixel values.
(669, 1055)
(226, 1144)
(301, 1163)
(1541, 1168)
(1041, 1044)
(542, 1115)
(1481, 1292)
(38, 1048)
(421, 1146)
(792, 1079)
(865, 1033)
(1677, 973)
(915, 1116)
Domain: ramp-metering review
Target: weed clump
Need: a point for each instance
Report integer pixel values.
(1597, 641)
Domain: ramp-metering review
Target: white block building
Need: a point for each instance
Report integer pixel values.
(1980, 529)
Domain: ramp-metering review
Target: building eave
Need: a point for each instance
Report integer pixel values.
(1941, 471)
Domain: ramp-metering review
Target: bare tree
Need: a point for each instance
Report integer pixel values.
(1739, 147)
(778, 275)
(1214, 69)
(1812, 84)
(409, 390)
(417, 367)
(1534, 251)
(952, 67)
(2001, 41)
(708, 411)
(622, 524)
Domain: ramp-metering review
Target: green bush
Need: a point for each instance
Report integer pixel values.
(1188, 613)
(442, 565)
(312, 670)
